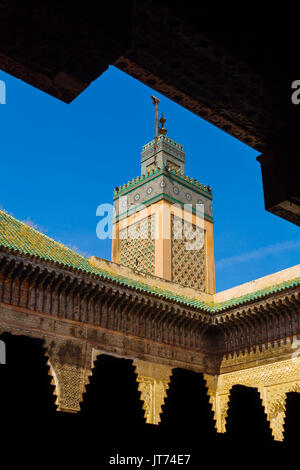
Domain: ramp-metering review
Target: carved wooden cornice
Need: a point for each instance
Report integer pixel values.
(69, 294)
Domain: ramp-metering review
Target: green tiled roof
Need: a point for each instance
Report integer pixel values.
(24, 239)
(255, 295)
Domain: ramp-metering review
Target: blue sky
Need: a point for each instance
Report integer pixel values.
(60, 161)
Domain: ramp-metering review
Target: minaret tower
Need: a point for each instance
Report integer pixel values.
(163, 223)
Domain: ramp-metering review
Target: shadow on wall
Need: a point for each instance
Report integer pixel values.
(112, 419)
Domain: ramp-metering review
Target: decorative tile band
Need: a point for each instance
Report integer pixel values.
(153, 200)
(157, 171)
(163, 145)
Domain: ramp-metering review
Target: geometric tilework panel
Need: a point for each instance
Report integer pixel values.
(188, 254)
(137, 245)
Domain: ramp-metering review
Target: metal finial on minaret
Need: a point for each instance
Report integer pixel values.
(162, 130)
(155, 101)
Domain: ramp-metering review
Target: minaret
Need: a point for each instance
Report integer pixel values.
(163, 222)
